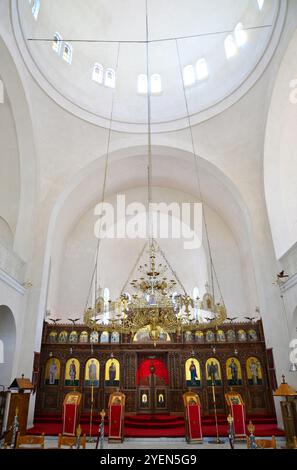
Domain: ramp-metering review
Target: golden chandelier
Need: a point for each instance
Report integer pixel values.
(156, 305)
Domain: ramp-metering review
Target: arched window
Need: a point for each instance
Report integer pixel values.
(57, 42)
(142, 85)
(189, 75)
(240, 35)
(201, 69)
(260, 4)
(35, 8)
(67, 53)
(230, 46)
(97, 74)
(156, 83)
(110, 79)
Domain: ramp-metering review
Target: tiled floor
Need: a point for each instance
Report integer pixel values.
(163, 443)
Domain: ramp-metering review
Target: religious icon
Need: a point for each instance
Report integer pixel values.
(73, 337)
(104, 338)
(144, 399)
(116, 401)
(199, 337)
(221, 336)
(252, 335)
(143, 335)
(94, 337)
(161, 399)
(72, 372)
(63, 337)
(188, 336)
(213, 372)
(235, 400)
(210, 337)
(83, 337)
(92, 373)
(52, 371)
(115, 337)
(231, 337)
(191, 401)
(233, 371)
(241, 334)
(112, 373)
(192, 372)
(254, 371)
(53, 337)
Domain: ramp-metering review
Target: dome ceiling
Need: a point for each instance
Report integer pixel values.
(113, 35)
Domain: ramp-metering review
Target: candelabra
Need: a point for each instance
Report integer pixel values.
(217, 440)
(231, 431)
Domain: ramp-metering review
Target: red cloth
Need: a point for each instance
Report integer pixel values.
(115, 421)
(70, 419)
(144, 370)
(238, 415)
(194, 420)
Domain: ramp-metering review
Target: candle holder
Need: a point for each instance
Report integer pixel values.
(231, 431)
(90, 438)
(217, 440)
(101, 430)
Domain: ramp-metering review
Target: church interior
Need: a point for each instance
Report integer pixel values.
(148, 224)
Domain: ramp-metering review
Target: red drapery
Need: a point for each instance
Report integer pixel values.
(238, 414)
(115, 421)
(194, 419)
(144, 370)
(70, 419)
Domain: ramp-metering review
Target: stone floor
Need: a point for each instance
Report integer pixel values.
(163, 443)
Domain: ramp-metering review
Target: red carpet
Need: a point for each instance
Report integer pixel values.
(156, 425)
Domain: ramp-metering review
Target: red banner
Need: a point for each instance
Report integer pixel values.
(238, 415)
(115, 422)
(194, 420)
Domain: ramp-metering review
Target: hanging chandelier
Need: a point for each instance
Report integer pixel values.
(158, 301)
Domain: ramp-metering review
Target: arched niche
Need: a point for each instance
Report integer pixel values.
(7, 344)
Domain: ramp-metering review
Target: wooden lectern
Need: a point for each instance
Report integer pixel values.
(19, 398)
(116, 415)
(237, 410)
(289, 412)
(192, 406)
(71, 413)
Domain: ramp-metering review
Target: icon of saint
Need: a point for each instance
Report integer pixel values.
(53, 372)
(72, 371)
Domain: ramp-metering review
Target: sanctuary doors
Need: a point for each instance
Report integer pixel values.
(152, 379)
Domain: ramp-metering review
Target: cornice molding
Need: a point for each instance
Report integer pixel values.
(11, 282)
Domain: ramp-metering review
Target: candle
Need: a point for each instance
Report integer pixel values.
(92, 393)
(213, 394)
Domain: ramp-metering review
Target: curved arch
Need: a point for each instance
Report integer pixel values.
(7, 344)
(74, 201)
(22, 118)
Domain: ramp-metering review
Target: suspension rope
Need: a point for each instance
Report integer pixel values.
(103, 192)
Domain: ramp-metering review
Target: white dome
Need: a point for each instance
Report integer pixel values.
(201, 27)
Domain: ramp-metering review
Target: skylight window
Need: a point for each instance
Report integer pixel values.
(110, 78)
(240, 35)
(156, 83)
(189, 75)
(201, 69)
(67, 53)
(230, 46)
(260, 4)
(142, 85)
(35, 8)
(97, 74)
(57, 42)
